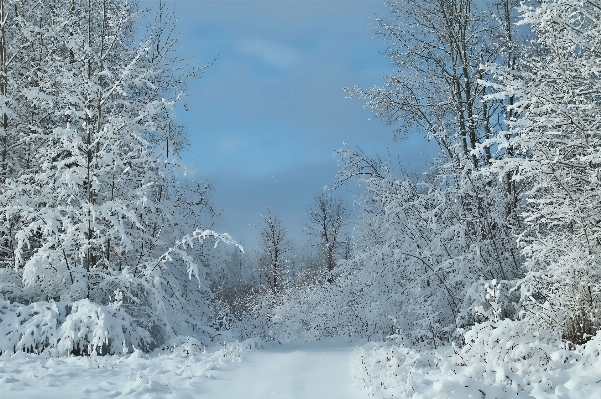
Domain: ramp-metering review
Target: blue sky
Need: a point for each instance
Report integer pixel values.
(266, 118)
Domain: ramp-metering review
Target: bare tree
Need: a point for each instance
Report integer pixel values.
(274, 245)
(327, 217)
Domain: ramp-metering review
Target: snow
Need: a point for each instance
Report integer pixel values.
(180, 374)
(499, 360)
(278, 371)
(289, 371)
(96, 257)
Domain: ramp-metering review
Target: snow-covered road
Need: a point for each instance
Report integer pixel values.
(307, 371)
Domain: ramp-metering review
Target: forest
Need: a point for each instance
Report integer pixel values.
(479, 278)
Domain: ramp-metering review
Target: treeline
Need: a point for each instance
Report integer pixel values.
(280, 265)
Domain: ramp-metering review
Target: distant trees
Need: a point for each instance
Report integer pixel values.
(274, 246)
(235, 268)
(326, 218)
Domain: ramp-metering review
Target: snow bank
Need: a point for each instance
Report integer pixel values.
(177, 370)
(499, 360)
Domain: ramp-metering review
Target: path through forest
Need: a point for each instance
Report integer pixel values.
(289, 371)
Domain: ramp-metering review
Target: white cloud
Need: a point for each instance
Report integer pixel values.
(269, 52)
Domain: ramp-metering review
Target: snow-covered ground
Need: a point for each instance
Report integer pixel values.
(498, 362)
(279, 371)
(183, 373)
(289, 371)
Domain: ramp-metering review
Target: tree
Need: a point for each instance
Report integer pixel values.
(235, 268)
(327, 217)
(94, 208)
(438, 50)
(97, 166)
(22, 54)
(274, 247)
(552, 145)
(346, 247)
(439, 234)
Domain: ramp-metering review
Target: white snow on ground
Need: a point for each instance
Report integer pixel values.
(178, 375)
(289, 371)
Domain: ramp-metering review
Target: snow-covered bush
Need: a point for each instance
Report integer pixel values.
(419, 265)
(499, 360)
(30, 328)
(61, 328)
(490, 301)
(191, 348)
(146, 309)
(91, 328)
(314, 312)
(11, 284)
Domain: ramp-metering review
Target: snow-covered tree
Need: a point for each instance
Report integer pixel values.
(437, 50)
(553, 144)
(327, 217)
(96, 210)
(23, 54)
(418, 251)
(274, 248)
(432, 238)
